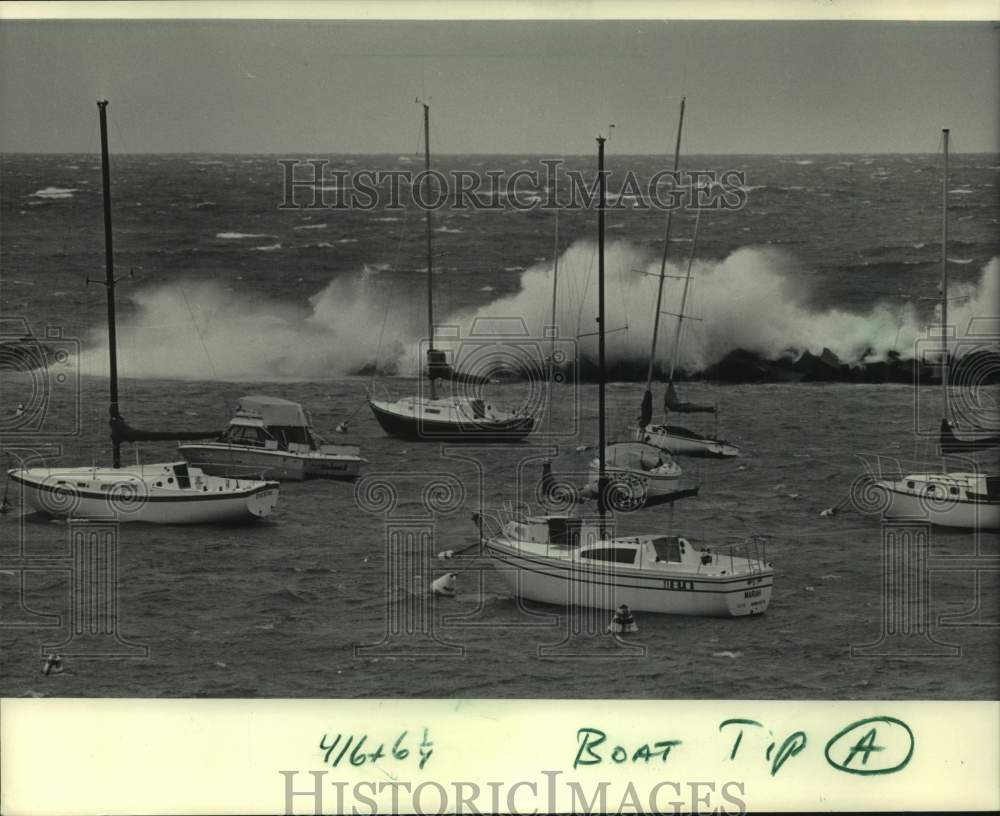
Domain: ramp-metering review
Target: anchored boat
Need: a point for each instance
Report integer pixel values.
(167, 493)
(575, 561)
(669, 437)
(273, 438)
(566, 561)
(968, 500)
(447, 419)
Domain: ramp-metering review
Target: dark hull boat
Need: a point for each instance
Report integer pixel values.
(449, 420)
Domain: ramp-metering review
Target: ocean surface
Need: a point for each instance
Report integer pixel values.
(230, 295)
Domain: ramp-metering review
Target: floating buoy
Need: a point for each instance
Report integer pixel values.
(19, 410)
(622, 621)
(445, 585)
(52, 665)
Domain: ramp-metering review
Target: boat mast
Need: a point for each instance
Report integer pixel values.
(944, 275)
(552, 340)
(109, 278)
(430, 252)
(647, 399)
(602, 478)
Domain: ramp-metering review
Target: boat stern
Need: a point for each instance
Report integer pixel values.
(261, 502)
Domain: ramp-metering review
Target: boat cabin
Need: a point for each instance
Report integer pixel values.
(271, 423)
(653, 549)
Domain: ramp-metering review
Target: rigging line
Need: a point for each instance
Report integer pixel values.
(675, 352)
(586, 287)
(201, 339)
(392, 289)
(388, 301)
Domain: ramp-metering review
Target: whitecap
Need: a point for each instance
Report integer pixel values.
(311, 226)
(54, 192)
(269, 248)
(234, 236)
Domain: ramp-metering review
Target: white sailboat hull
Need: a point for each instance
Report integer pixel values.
(143, 494)
(637, 484)
(903, 502)
(562, 582)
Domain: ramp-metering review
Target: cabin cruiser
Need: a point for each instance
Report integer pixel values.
(273, 438)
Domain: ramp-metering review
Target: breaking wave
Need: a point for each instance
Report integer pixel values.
(756, 299)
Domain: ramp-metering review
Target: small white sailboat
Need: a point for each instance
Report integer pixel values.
(960, 499)
(564, 561)
(167, 493)
(669, 437)
(273, 438)
(639, 471)
(454, 418)
(573, 561)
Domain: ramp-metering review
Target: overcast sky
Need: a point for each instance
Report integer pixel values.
(524, 87)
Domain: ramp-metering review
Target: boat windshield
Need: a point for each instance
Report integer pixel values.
(248, 435)
(668, 548)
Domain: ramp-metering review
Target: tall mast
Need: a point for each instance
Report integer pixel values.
(675, 352)
(602, 478)
(647, 399)
(944, 275)
(109, 278)
(552, 341)
(430, 252)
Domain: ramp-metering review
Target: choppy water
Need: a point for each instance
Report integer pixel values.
(276, 609)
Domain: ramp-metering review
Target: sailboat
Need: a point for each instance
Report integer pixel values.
(675, 439)
(273, 438)
(962, 499)
(166, 493)
(456, 418)
(640, 475)
(570, 560)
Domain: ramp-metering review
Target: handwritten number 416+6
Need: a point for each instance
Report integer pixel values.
(339, 747)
